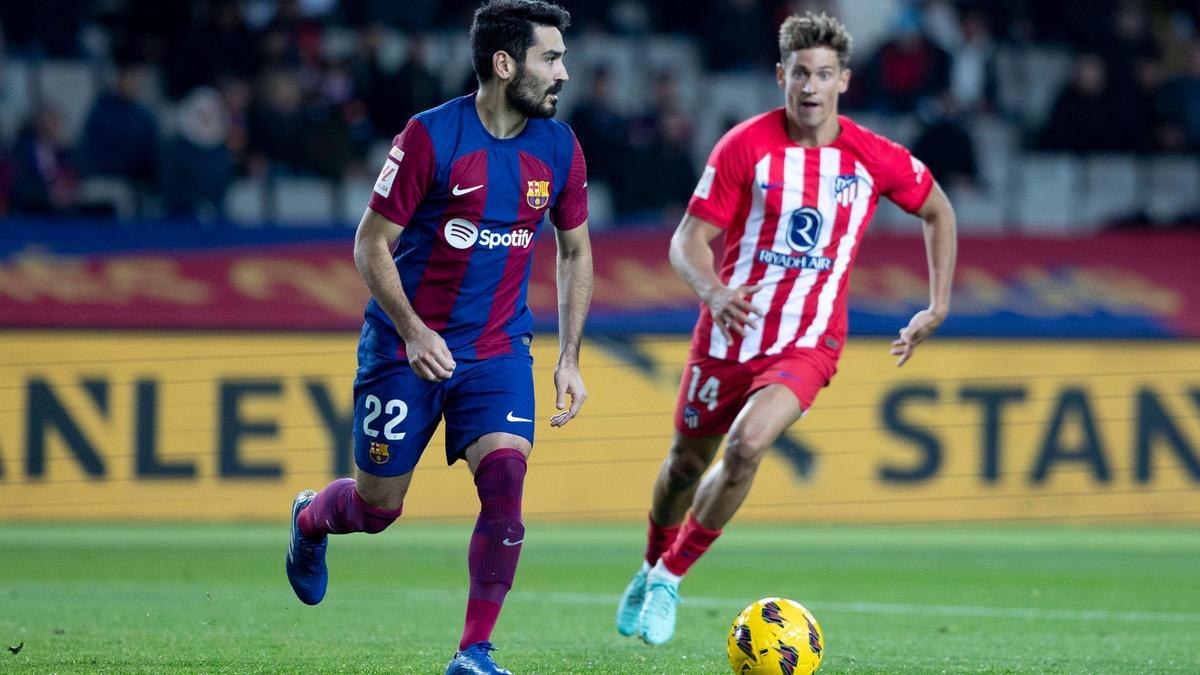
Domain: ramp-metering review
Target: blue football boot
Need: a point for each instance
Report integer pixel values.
(476, 659)
(662, 601)
(306, 559)
(629, 610)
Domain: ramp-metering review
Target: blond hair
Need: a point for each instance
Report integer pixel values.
(805, 31)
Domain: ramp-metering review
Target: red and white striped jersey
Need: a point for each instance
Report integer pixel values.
(793, 219)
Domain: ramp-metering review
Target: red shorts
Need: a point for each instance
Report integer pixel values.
(713, 391)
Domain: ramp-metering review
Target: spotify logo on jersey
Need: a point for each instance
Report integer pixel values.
(461, 234)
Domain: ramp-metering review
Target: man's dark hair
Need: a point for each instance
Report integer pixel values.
(507, 26)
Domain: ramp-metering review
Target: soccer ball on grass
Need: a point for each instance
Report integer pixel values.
(776, 636)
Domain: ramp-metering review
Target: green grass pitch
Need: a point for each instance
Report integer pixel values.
(895, 599)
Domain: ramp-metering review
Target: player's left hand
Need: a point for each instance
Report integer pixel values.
(568, 382)
(919, 327)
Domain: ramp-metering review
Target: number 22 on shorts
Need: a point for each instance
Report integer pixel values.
(396, 408)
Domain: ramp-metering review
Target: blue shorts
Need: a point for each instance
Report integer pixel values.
(396, 412)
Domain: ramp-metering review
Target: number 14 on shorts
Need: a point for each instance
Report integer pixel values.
(708, 393)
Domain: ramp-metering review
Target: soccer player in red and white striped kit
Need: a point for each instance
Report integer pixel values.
(792, 190)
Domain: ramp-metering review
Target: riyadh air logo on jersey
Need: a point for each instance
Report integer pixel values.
(461, 234)
(845, 189)
(538, 194)
(804, 230)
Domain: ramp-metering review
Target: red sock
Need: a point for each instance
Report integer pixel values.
(692, 542)
(339, 510)
(658, 540)
(496, 542)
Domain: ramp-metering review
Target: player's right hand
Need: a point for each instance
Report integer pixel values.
(428, 355)
(732, 310)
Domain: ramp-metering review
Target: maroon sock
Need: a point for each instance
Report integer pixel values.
(658, 540)
(692, 542)
(496, 541)
(339, 510)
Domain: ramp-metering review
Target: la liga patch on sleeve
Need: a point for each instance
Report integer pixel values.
(383, 184)
(704, 187)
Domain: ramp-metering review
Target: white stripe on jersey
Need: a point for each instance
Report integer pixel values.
(718, 345)
(792, 199)
(789, 323)
(845, 251)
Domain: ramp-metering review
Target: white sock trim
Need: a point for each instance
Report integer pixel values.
(660, 570)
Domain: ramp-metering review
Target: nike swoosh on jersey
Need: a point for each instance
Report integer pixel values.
(514, 418)
(770, 186)
(506, 542)
(458, 192)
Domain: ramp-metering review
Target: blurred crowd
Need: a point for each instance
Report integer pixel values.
(253, 92)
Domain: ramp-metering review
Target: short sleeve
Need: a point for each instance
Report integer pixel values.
(406, 175)
(571, 209)
(902, 178)
(722, 185)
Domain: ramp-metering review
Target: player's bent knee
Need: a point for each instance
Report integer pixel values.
(742, 459)
(684, 470)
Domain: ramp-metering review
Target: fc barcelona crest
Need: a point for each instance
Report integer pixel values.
(379, 452)
(538, 194)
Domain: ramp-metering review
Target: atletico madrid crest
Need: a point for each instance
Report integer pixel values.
(379, 452)
(845, 189)
(538, 194)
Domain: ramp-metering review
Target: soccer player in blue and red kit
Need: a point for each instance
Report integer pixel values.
(463, 191)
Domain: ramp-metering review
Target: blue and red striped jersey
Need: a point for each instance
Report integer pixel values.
(471, 206)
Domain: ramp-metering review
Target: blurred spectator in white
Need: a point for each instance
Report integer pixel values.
(973, 63)
(601, 128)
(120, 137)
(1179, 103)
(1080, 120)
(945, 145)
(197, 166)
(44, 179)
(906, 69)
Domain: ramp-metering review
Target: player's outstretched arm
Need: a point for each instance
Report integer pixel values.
(941, 248)
(428, 355)
(574, 278)
(692, 258)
